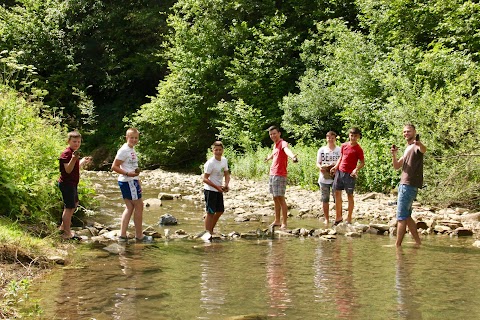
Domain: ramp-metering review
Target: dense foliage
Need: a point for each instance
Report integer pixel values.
(229, 69)
(29, 149)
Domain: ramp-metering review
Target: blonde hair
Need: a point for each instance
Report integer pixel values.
(217, 144)
(132, 130)
(73, 135)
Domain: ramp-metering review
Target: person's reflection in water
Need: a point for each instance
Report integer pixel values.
(130, 284)
(212, 286)
(341, 282)
(276, 279)
(407, 308)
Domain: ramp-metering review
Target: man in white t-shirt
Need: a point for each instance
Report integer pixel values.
(216, 169)
(126, 165)
(327, 156)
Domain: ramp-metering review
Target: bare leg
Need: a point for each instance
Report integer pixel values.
(351, 204)
(215, 220)
(138, 218)
(283, 205)
(67, 222)
(277, 208)
(127, 214)
(326, 208)
(338, 205)
(412, 226)
(401, 230)
(208, 222)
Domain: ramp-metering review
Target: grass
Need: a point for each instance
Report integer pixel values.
(23, 257)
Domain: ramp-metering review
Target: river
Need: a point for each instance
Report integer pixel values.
(285, 277)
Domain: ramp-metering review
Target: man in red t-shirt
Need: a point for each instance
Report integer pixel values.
(346, 171)
(278, 175)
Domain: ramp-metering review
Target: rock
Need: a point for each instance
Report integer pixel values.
(115, 248)
(472, 217)
(380, 227)
(239, 211)
(180, 232)
(241, 218)
(152, 202)
(422, 225)
(442, 229)
(168, 196)
(234, 234)
(167, 220)
(56, 259)
(476, 244)
(453, 224)
(328, 237)
(368, 196)
(463, 232)
(353, 234)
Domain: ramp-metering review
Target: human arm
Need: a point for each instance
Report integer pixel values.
(422, 147)
(213, 185)
(397, 163)
(116, 168)
(227, 181)
(290, 154)
(335, 167)
(85, 160)
(360, 165)
(71, 164)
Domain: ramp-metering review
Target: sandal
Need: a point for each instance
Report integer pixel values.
(336, 223)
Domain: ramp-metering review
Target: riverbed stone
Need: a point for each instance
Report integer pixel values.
(442, 229)
(167, 220)
(152, 202)
(463, 232)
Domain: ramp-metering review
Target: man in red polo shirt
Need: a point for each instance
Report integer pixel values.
(278, 175)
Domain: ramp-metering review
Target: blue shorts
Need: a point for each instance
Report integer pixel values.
(326, 189)
(344, 181)
(69, 195)
(130, 189)
(277, 185)
(406, 196)
(214, 201)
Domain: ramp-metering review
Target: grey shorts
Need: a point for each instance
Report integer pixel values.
(343, 181)
(326, 190)
(277, 185)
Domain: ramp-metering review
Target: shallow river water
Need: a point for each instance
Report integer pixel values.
(287, 277)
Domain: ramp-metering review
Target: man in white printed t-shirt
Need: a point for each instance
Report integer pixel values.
(327, 156)
(216, 169)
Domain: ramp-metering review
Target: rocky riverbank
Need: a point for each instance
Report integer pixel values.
(250, 201)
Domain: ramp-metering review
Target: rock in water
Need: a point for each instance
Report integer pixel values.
(167, 220)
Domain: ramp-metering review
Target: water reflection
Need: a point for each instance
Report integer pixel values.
(212, 281)
(333, 279)
(276, 275)
(407, 308)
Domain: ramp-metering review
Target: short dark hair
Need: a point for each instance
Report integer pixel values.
(355, 130)
(273, 128)
(331, 133)
(217, 144)
(409, 125)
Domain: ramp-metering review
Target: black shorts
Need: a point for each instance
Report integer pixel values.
(69, 195)
(213, 201)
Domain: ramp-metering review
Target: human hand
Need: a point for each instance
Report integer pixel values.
(394, 149)
(354, 173)
(225, 188)
(332, 170)
(295, 159)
